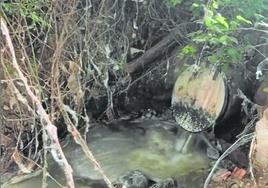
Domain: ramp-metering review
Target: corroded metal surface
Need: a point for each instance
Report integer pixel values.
(198, 99)
(192, 118)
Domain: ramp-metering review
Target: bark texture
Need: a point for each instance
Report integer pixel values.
(261, 148)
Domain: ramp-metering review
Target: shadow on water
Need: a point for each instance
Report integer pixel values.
(155, 147)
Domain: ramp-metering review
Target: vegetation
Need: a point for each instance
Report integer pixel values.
(63, 64)
(219, 39)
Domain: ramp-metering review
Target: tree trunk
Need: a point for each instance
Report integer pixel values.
(261, 145)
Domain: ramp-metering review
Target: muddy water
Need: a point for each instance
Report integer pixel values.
(150, 146)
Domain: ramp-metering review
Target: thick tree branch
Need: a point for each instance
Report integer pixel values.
(166, 44)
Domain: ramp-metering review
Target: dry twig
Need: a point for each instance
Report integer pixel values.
(49, 128)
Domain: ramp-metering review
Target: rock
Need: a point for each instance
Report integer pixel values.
(134, 179)
(238, 157)
(169, 183)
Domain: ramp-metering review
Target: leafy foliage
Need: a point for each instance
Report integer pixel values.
(175, 2)
(221, 20)
(31, 10)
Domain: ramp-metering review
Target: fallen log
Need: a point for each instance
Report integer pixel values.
(166, 44)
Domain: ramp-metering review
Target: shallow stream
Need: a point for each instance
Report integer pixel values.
(152, 146)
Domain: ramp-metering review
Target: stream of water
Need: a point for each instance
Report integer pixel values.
(154, 147)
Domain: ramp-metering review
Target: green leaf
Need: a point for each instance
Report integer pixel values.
(242, 19)
(225, 67)
(208, 13)
(210, 22)
(227, 40)
(34, 17)
(214, 40)
(195, 5)
(215, 5)
(201, 38)
(233, 53)
(213, 59)
(222, 20)
(234, 25)
(189, 50)
(224, 40)
(233, 39)
(175, 2)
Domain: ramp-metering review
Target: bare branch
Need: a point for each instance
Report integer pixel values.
(50, 129)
